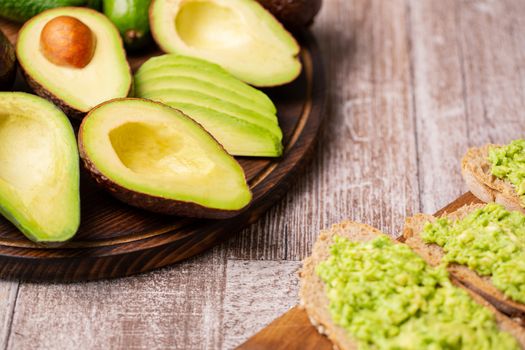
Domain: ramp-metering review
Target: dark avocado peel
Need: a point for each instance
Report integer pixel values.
(294, 14)
(240, 117)
(7, 63)
(239, 35)
(39, 182)
(154, 157)
(75, 89)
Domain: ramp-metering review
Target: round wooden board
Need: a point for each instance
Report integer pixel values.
(117, 240)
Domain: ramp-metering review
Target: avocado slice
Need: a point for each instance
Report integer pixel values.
(239, 35)
(240, 117)
(7, 63)
(39, 176)
(154, 157)
(75, 90)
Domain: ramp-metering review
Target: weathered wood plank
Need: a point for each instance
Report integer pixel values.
(365, 166)
(256, 293)
(8, 295)
(468, 85)
(177, 308)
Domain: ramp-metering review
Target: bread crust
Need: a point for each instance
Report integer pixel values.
(314, 300)
(475, 169)
(433, 254)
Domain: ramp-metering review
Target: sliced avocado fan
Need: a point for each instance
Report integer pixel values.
(241, 118)
(39, 176)
(154, 157)
(76, 90)
(239, 35)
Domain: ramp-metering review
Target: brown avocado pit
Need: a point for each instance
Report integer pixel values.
(67, 41)
(154, 157)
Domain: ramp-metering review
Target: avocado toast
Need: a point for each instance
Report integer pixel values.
(350, 286)
(487, 238)
(496, 173)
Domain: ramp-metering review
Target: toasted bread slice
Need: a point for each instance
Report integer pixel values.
(433, 254)
(313, 297)
(476, 170)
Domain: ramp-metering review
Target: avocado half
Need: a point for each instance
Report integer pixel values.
(239, 35)
(39, 176)
(240, 117)
(154, 157)
(76, 90)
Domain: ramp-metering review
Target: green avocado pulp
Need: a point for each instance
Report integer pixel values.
(387, 297)
(490, 241)
(508, 162)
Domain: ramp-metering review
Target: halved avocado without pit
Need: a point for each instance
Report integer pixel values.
(155, 157)
(239, 35)
(241, 118)
(39, 172)
(86, 39)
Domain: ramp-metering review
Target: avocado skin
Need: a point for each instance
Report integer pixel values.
(7, 63)
(145, 201)
(294, 14)
(22, 10)
(131, 19)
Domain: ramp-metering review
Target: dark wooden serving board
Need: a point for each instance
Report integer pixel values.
(116, 240)
(293, 330)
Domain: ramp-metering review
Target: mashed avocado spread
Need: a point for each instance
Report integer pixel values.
(490, 241)
(387, 297)
(508, 162)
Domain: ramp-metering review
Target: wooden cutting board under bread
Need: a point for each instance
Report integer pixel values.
(293, 329)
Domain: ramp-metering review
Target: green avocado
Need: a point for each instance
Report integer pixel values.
(39, 176)
(7, 63)
(22, 10)
(508, 162)
(387, 297)
(490, 241)
(239, 35)
(76, 90)
(131, 19)
(240, 117)
(154, 157)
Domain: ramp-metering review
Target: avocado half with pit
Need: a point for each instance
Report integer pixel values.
(74, 57)
(39, 172)
(240, 117)
(154, 157)
(239, 35)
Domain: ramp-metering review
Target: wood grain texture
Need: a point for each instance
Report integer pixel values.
(293, 330)
(395, 70)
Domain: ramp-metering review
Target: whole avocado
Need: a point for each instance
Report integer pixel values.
(132, 20)
(294, 14)
(22, 10)
(7, 63)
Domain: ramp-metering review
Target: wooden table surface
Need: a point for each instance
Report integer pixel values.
(412, 84)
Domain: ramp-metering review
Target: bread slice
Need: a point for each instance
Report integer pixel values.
(314, 300)
(476, 170)
(433, 254)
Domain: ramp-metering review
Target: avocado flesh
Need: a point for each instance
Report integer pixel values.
(237, 136)
(153, 151)
(39, 176)
(106, 76)
(240, 117)
(239, 35)
(177, 66)
(176, 96)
